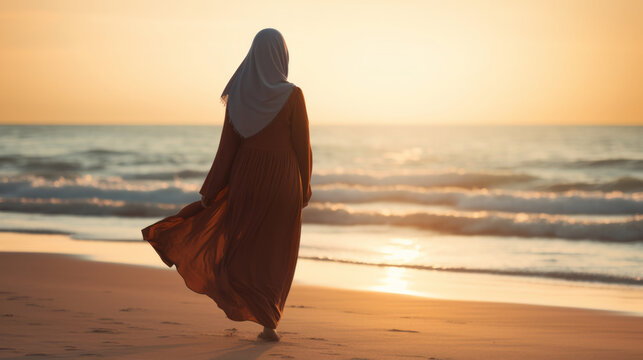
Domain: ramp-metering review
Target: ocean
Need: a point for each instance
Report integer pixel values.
(560, 203)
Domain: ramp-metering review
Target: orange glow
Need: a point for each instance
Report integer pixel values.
(375, 62)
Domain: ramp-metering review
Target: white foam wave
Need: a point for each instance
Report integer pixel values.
(87, 187)
(482, 223)
(575, 202)
(87, 207)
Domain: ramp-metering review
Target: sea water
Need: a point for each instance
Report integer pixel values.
(524, 202)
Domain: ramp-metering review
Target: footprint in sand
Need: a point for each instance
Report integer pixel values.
(130, 309)
(316, 339)
(110, 321)
(282, 356)
(37, 354)
(139, 328)
(17, 298)
(404, 331)
(171, 323)
(103, 331)
(355, 312)
(7, 315)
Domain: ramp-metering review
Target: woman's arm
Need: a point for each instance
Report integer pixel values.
(219, 172)
(301, 142)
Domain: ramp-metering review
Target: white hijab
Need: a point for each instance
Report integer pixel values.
(259, 88)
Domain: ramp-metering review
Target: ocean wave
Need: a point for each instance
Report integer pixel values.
(494, 200)
(171, 175)
(480, 223)
(460, 179)
(615, 163)
(560, 275)
(80, 187)
(475, 180)
(88, 207)
(105, 152)
(92, 160)
(48, 165)
(519, 225)
(35, 231)
(624, 184)
(636, 164)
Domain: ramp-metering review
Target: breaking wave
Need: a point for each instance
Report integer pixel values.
(495, 200)
(476, 180)
(479, 223)
(624, 184)
(520, 225)
(88, 187)
(88, 207)
(615, 163)
(636, 164)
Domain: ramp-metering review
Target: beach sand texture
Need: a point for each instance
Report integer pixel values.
(59, 306)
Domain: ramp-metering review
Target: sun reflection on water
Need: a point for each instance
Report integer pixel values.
(397, 251)
(395, 280)
(400, 251)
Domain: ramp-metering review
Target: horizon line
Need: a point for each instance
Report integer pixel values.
(341, 124)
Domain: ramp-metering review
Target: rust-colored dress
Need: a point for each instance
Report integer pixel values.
(242, 249)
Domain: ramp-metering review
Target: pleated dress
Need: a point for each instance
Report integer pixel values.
(241, 250)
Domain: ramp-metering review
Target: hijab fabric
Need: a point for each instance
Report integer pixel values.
(259, 88)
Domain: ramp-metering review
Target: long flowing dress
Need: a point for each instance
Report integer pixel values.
(241, 250)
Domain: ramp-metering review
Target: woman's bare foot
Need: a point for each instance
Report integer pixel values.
(269, 335)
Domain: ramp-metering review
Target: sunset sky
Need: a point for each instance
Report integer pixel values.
(366, 62)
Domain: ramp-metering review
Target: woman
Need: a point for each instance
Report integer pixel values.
(239, 244)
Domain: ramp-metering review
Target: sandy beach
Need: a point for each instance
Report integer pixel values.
(60, 306)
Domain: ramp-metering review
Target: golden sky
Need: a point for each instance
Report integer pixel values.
(372, 62)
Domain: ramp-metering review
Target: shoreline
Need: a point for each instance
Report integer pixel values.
(623, 299)
(63, 306)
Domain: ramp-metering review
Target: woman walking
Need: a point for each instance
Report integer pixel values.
(239, 244)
